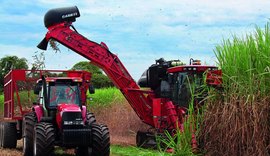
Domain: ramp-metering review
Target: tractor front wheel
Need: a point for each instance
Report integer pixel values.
(44, 137)
(90, 119)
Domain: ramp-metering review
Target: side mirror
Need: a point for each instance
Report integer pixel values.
(91, 89)
(37, 88)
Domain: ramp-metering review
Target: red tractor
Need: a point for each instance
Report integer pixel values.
(58, 116)
(164, 105)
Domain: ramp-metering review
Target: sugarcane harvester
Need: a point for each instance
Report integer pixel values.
(164, 105)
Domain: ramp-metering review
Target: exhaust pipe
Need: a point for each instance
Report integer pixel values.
(43, 44)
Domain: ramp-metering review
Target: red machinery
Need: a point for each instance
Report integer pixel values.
(55, 114)
(158, 107)
(17, 81)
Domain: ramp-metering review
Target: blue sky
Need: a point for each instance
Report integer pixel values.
(138, 31)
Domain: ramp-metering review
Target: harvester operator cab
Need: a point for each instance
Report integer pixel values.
(175, 80)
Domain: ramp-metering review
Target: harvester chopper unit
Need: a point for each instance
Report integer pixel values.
(163, 106)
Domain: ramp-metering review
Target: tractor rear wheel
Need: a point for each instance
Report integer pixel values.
(29, 121)
(90, 119)
(100, 140)
(100, 145)
(44, 137)
(8, 134)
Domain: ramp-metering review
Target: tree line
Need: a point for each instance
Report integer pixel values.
(7, 63)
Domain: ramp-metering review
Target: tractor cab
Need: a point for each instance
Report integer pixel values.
(60, 90)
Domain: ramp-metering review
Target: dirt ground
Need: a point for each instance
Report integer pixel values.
(12, 152)
(122, 121)
(18, 151)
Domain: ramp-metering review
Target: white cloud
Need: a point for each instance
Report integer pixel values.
(206, 11)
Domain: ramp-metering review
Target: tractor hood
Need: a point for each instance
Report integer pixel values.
(68, 108)
(70, 114)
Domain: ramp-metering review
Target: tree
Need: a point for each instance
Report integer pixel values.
(39, 61)
(99, 80)
(10, 62)
(86, 66)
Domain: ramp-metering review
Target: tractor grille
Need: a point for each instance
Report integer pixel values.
(71, 116)
(77, 137)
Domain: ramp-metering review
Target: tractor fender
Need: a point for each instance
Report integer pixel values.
(39, 112)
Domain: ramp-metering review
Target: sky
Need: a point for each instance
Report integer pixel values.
(138, 31)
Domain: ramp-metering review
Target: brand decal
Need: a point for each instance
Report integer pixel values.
(69, 15)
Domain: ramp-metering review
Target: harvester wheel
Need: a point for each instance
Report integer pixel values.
(90, 119)
(100, 140)
(140, 138)
(8, 134)
(29, 121)
(146, 140)
(44, 137)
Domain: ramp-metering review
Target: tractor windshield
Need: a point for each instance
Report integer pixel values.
(63, 93)
(181, 87)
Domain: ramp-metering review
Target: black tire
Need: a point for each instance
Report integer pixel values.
(140, 138)
(44, 137)
(8, 134)
(146, 140)
(100, 140)
(90, 119)
(29, 121)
